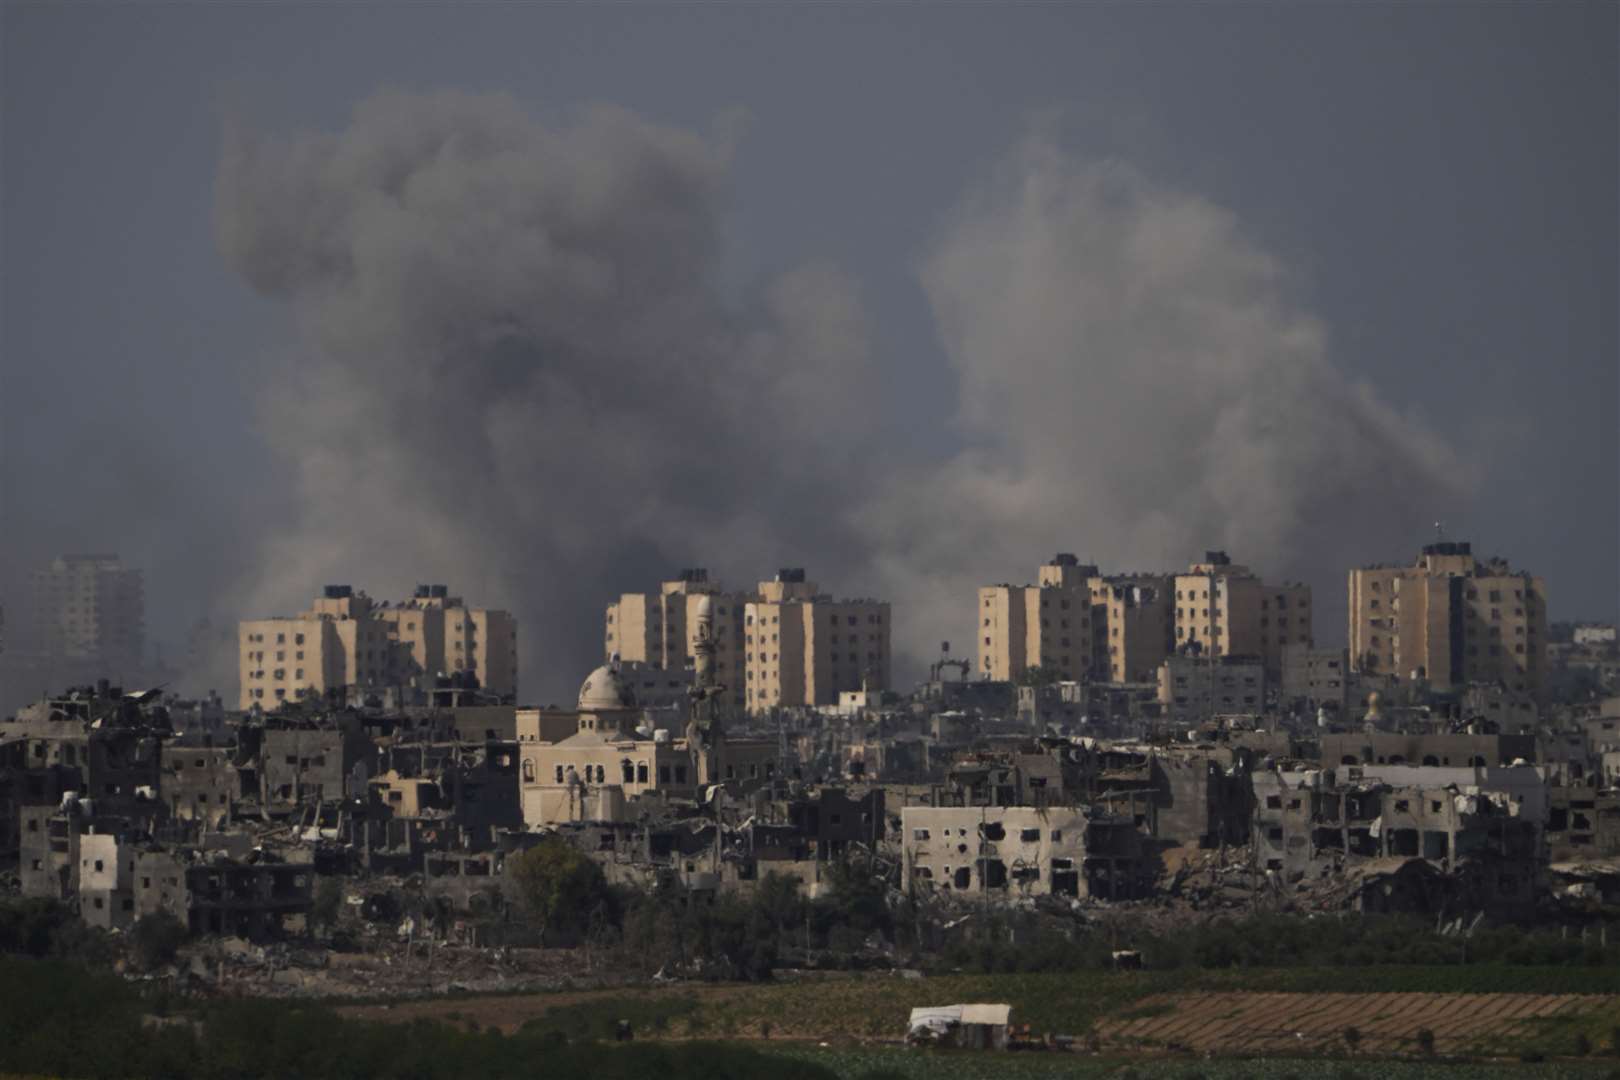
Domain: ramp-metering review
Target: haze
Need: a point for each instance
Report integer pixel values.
(545, 302)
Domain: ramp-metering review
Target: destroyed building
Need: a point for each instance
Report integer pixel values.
(1024, 851)
(221, 895)
(1311, 826)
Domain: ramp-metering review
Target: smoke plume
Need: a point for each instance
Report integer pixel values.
(1136, 386)
(518, 374)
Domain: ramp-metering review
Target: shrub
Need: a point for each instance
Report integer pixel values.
(155, 939)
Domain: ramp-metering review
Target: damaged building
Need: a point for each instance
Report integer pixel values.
(1024, 851)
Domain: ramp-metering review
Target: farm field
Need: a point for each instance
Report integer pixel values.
(1225, 1022)
(1494, 1011)
(893, 1063)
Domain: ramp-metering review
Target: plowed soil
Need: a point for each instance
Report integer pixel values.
(1231, 1022)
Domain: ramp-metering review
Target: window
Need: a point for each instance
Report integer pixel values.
(919, 834)
(559, 774)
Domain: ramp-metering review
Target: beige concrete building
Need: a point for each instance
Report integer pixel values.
(1049, 624)
(802, 647)
(1119, 627)
(347, 640)
(660, 629)
(1223, 609)
(1133, 626)
(441, 635)
(1450, 619)
(1008, 852)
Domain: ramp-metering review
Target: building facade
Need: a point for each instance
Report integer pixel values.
(1080, 623)
(1048, 625)
(659, 629)
(1193, 689)
(1133, 626)
(1450, 619)
(802, 647)
(347, 640)
(1223, 609)
(1004, 852)
(90, 608)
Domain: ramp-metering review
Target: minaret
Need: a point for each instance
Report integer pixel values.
(704, 732)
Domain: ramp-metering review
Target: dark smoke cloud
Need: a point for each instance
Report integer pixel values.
(519, 374)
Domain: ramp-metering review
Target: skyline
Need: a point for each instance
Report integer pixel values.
(1152, 282)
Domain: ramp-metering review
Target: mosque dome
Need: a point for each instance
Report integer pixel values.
(605, 689)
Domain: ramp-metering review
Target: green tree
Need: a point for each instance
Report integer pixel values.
(778, 900)
(557, 885)
(156, 939)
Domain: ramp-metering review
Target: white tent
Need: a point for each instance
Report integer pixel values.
(977, 1026)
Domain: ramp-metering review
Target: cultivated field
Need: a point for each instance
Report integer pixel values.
(1260, 1023)
(1291, 1012)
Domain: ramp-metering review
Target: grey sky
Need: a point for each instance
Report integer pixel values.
(1435, 184)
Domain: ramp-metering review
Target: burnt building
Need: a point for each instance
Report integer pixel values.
(221, 895)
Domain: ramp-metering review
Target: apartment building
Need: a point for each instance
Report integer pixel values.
(1193, 689)
(346, 639)
(660, 629)
(92, 608)
(1047, 625)
(802, 647)
(1121, 627)
(1224, 609)
(1317, 679)
(1450, 619)
(442, 635)
(1133, 626)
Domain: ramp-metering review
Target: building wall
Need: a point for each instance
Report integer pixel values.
(1003, 646)
(1013, 850)
(1229, 611)
(282, 659)
(661, 629)
(90, 607)
(1195, 688)
(1049, 624)
(629, 630)
(808, 651)
(200, 783)
(1390, 748)
(1317, 677)
(346, 640)
(302, 764)
(1450, 619)
(1136, 627)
